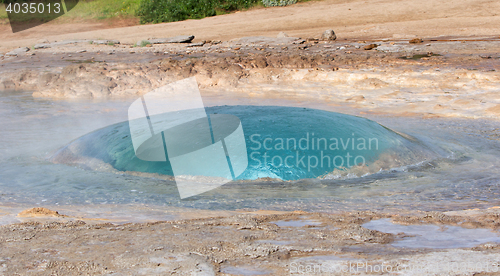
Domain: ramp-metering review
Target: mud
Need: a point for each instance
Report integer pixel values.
(452, 77)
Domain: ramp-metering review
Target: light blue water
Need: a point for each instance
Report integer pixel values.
(451, 164)
(286, 143)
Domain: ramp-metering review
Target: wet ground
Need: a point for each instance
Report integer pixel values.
(256, 243)
(435, 218)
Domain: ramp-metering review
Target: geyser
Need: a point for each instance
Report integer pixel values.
(287, 143)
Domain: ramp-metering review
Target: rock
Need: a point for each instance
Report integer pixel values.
(42, 46)
(389, 48)
(175, 39)
(46, 44)
(105, 42)
(264, 41)
(370, 46)
(356, 99)
(299, 41)
(199, 44)
(329, 35)
(282, 35)
(17, 51)
(416, 40)
(39, 212)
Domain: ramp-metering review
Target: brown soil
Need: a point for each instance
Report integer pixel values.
(350, 19)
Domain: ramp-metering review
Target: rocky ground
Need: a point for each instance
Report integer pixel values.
(434, 77)
(256, 243)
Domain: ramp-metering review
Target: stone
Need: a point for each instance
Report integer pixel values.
(17, 51)
(39, 212)
(329, 35)
(370, 46)
(282, 35)
(388, 48)
(45, 45)
(175, 39)
(264, 41)
(42, 46)
(199, 44)
(416, 40)
(356, 99)
(299, 41)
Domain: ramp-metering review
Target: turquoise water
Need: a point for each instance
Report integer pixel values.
(441, 164)
(285, 143)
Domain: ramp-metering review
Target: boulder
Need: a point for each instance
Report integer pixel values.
(328, 35)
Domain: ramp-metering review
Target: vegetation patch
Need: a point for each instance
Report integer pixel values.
(155, 11)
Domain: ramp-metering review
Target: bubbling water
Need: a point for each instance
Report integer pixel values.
(286, 143)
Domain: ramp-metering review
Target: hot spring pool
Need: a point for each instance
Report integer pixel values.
(283, 143)
(79, 153)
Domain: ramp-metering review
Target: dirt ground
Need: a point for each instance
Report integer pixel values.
(351, 19)
(453, 71)
(254, 243)
(453, 77)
